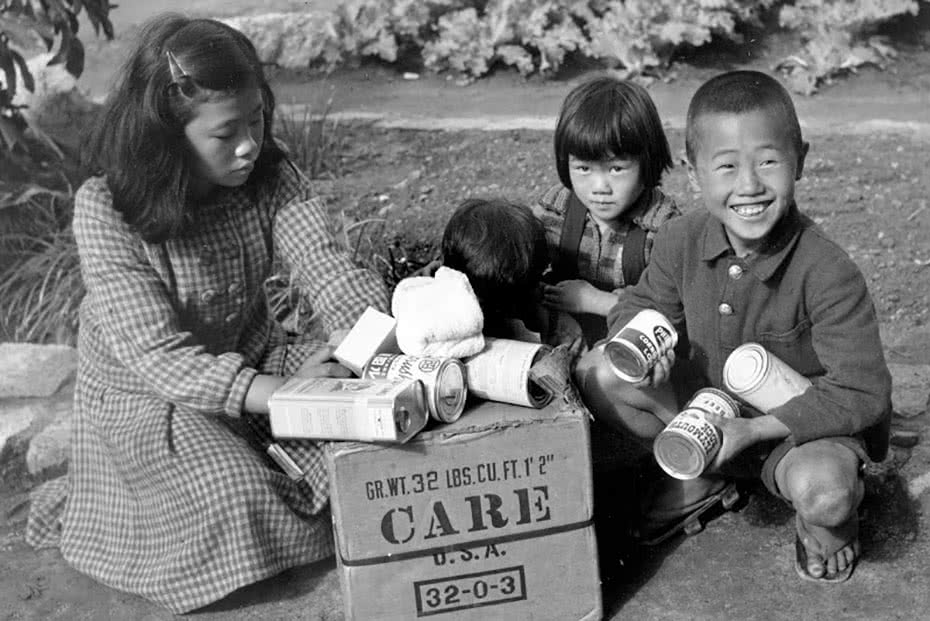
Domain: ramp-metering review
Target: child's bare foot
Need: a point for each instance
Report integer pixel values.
(827, 554)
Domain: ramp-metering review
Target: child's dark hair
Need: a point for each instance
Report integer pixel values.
(501, 247)
(605, 117)
(138, 140)
(737, 92)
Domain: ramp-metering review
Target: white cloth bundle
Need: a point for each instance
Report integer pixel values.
(438, 316)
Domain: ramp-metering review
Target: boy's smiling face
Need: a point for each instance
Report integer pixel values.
(745, 168)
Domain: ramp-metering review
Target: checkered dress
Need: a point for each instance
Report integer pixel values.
(169, 493)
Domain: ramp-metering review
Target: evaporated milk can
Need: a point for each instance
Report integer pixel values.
(443, 378)
(760, 378)
(634, 350)
(689, 443)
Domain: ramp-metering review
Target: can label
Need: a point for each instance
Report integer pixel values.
(714, 401)
(635, 349)
(760, 378)
(443, 379)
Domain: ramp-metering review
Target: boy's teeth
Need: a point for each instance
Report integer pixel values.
(749, 210)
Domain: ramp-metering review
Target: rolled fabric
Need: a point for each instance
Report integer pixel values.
(438, 316)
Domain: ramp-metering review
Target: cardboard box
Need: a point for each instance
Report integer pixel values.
(489, 517)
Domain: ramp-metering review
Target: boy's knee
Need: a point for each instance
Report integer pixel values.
(827, 506)
(823, 483)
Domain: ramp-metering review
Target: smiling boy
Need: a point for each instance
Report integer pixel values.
(750, 267)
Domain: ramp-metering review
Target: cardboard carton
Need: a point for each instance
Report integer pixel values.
(489, 517)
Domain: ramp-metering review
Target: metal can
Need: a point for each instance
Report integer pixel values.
(689, 443)
(366, 410)
(760, 378)
(443, 378)
(634, 350)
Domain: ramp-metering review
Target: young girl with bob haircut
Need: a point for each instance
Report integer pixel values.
(170, 493)
(610, 154)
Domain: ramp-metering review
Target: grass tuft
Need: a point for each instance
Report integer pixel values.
(312, 138)
(40, 281)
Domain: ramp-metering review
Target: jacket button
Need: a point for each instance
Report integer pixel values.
(735, 272)
(725, 309)
(207, 296)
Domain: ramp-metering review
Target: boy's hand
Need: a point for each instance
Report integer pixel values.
(738, 435)
(322, 364)
(660, 373)
(741, 433)
(574, 296)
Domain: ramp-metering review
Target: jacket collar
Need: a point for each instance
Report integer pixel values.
(774, 250)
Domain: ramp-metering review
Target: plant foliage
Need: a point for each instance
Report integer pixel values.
(468, 38)
(30, 25)
(839, 37)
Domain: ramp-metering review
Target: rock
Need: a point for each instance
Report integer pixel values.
(291, 40)
(51, 447)
(910, 394)
(16, 416)
(29, 370)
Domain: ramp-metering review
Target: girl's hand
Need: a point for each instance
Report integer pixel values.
(571, 296)
(661, 372)
(321, 364)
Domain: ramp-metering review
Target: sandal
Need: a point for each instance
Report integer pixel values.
(801, 557)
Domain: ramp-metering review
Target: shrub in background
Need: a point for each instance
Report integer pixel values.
(468, 38)
(839, 37)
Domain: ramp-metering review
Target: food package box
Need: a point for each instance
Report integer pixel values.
(372, 334)
(489, 517)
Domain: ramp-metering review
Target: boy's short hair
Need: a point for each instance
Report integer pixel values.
(737, 92)
(501, 246)
(606, 116)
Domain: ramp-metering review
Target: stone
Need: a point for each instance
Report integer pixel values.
(910, 395)
(16, 416)
(29, 370)
(51, 447)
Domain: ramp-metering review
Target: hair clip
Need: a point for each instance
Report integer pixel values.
(179, 77)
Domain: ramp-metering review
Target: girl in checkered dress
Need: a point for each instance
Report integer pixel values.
(610, 153)
(170, 494)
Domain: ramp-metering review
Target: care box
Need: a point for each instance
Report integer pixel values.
(489, 517)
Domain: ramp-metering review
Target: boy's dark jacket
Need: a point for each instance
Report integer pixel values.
(801, 297)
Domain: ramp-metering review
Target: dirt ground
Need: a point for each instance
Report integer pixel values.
(869, 192)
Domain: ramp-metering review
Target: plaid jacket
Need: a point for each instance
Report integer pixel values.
(599, 255)
(169, 494)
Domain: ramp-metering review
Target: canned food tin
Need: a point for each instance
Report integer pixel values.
(760, 378)
(635, 349)
(366, 410)
(443, 379)
(689, 443)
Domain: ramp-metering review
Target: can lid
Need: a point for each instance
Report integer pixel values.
(451, 391)
(626, 360)
(679, 456)
(745, 368)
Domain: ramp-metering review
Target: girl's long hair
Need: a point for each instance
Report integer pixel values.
(138, 140)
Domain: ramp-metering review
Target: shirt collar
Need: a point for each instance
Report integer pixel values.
(777, 245)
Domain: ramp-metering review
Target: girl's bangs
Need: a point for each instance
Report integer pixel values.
(601, 136)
